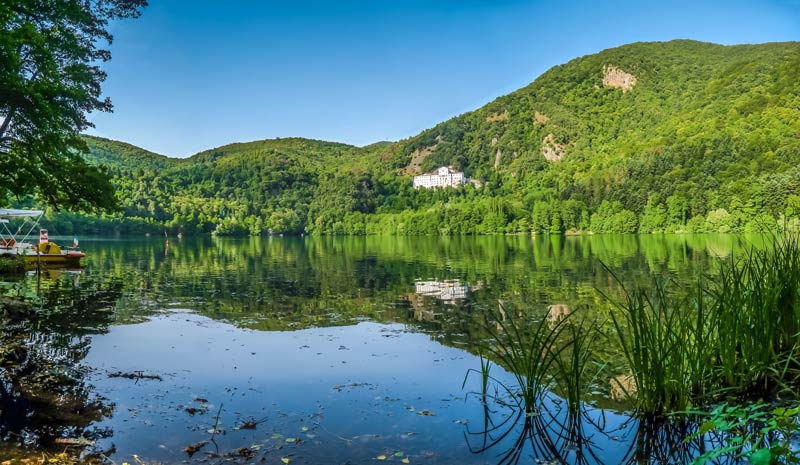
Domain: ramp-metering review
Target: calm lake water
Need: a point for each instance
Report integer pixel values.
(324, 350)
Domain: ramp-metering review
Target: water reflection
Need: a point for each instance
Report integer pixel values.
(284, 283)
(46, 400)
(553, 433)
(339, 335)
(446, 291)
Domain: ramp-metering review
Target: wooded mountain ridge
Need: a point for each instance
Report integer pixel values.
(646, 137)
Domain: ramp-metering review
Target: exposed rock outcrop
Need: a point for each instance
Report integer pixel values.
(497, 117)
(556, 313)
(617, 78)
(418, 156)
(552, 150)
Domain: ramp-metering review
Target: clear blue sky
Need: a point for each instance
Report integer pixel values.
(192, 75)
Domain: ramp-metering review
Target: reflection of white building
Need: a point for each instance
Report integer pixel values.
(445, 176)
(447, 291)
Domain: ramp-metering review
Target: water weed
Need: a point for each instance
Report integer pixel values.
(758, 432)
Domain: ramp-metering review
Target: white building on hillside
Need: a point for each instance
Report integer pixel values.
(445, 176)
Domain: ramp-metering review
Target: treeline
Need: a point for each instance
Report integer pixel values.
(353, 205)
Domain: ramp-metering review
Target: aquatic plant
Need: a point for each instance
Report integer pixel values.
(735, 333)
(573, 364)
(541, 354)
(759, 432)
(665, 339)
(757, 317)
(527, 349)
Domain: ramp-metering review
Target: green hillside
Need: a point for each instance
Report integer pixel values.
(675, 136)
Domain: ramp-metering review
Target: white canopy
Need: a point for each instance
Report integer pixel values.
(14, 213)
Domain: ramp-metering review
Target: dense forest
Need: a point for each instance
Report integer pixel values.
(680, 136)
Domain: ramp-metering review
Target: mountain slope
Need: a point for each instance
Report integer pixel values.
(679, 135)
(703, 121)
(233, 189)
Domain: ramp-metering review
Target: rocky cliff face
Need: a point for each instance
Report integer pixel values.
(617, 78)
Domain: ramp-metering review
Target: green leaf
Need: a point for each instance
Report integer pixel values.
(761, 457)
(706, 427)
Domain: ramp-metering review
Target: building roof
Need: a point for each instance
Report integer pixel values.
(438, 171)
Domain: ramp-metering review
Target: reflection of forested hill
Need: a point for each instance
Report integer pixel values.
(290, 283)
(679, 135)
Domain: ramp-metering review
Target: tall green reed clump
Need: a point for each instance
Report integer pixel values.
(757, 318)
(666, 339)
(542, 353)
(736, 333)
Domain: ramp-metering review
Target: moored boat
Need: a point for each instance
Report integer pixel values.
(43, 253)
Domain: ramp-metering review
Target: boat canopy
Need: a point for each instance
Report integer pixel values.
(12, 213)
(16, 213)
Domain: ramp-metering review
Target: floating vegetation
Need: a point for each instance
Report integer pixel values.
(193, 448)
(135, 375)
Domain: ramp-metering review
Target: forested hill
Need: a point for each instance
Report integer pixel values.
(674, 136)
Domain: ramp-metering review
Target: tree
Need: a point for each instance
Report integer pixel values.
(50, 76)
(654, 217)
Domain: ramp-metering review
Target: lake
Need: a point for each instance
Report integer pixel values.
(325, 350)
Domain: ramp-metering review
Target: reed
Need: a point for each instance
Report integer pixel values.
(757, 318)
(528, 351)
(665, 338)
(735, 333)
(573, 373)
